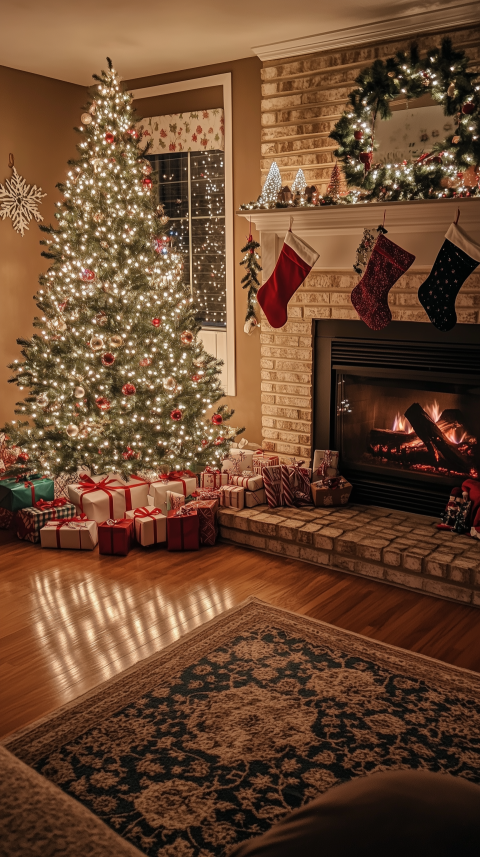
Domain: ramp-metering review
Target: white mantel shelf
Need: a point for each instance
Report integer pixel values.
(335, 231)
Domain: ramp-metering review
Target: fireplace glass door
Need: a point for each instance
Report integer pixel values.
(414, 428)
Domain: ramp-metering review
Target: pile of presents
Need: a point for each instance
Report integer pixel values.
(177, 509)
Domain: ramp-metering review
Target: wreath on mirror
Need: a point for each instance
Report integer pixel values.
(451, 167)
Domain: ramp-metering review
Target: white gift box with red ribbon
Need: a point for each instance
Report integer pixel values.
(185, 484)
(234, 496)
(150, 525)
(103, 497)
(75, 534)
(248, 480)
(263, 459)
(325, 463)
(237, 461)
(211, 478)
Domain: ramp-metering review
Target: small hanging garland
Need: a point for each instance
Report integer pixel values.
(451, 167)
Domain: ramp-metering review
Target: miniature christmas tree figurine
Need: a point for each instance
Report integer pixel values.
(333, 189)
(272, 186)
(116, 376)
(299, 183)
(250, 281)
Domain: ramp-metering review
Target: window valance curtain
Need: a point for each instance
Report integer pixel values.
(185, 132)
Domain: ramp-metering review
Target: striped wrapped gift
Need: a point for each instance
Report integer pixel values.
(249, 481)
(234, 496)
(277, 489)
(29, 521)
(263, 459)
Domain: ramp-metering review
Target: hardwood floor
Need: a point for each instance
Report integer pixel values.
(71, 620)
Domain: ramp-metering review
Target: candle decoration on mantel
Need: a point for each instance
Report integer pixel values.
(90, 397)
(450, 169)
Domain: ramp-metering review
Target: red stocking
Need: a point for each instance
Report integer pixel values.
(294, 263)
(370, 297)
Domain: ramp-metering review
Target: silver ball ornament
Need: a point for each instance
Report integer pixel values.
(72, 430)
(79, 392)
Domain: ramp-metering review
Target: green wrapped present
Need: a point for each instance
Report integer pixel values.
(16, 494)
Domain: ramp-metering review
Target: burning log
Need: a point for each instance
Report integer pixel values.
(438, 446)
(390, 438)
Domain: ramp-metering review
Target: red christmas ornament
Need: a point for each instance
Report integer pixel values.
(102, 403)
(87, 275)
(217, 419)
(147, 182)
(128, 389)
(176, 415)
(358, 135)
(159, 244)
(205, 442)
(196, 378)
(187, 337)
(468, 108)
(129, 454)
(109, 137)
(145, 361)
(366, 159)
(156, 322)
(219, 440)
(108, 359)
(133, 133)
(22, 456)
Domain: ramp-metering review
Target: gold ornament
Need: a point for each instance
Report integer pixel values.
(72, 430)
(470, 177)
(116, 341)
(79, 392)
(391, 74)
(451, 90)
(170, 383)
(455, 139)
(164, 219)
(96, 343)
(186, 337)
(93, 108)
(86, 119)
(42, 400)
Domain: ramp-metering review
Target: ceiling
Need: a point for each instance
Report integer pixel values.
(69, 40)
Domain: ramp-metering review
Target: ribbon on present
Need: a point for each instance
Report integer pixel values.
(299, 478)
(176, 476)
(212, 471)
(45, 505)
(77, 523)
(184, 512)
(27, 483)
(147, 512)
(237, 470)
(88, 486)
(326, 462)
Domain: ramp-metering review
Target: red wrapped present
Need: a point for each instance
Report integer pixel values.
(275, 479)
(300, 479)
(263, 459)
(183, 530)
(116, 537)
(207, 514)
(6, 518)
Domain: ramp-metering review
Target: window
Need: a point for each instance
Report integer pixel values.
(192, 191)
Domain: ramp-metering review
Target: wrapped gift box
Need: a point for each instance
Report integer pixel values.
(234, 496)
(61, 482)
(325, 495)
(6, 519)
(76, 534)
(213, 478)
(115, 537)
(150, 525)
(255, 498)
(299, 479)
(325, 463)
(201, 494)
(108, 497)
(29, 521)
(207, 516)
(263, 459)
(237, 461)
(18, 493)
(274, 478)
(183, 530)
(248, 480)
(184, 484)
(174, 500)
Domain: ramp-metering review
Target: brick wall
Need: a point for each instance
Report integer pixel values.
(287, 353)
(303, 97)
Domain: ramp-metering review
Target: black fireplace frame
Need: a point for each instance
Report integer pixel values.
(421, 351)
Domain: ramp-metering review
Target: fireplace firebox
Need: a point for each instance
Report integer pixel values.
(402, 406)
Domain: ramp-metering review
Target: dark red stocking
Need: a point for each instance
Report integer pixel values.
(370, 297)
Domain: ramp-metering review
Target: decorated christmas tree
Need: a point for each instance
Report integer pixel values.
(117, 377)
(333, 189)
(271, 187)
(299, 183)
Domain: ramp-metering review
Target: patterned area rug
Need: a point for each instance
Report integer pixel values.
(250, 716)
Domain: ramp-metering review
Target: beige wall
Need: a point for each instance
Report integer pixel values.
(246, 97)
(37, 119)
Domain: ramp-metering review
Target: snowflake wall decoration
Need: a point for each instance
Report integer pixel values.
(19, 201)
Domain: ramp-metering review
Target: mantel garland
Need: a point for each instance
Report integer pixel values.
(442, 74)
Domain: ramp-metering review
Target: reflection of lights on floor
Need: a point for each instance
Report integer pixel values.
(103, 624)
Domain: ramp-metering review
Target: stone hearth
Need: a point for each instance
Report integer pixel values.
(399, 548)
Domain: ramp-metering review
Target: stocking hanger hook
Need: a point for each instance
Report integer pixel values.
(457, 217)
(11, 160)
(291, 223)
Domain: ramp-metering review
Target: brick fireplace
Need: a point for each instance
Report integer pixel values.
(402, 548)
